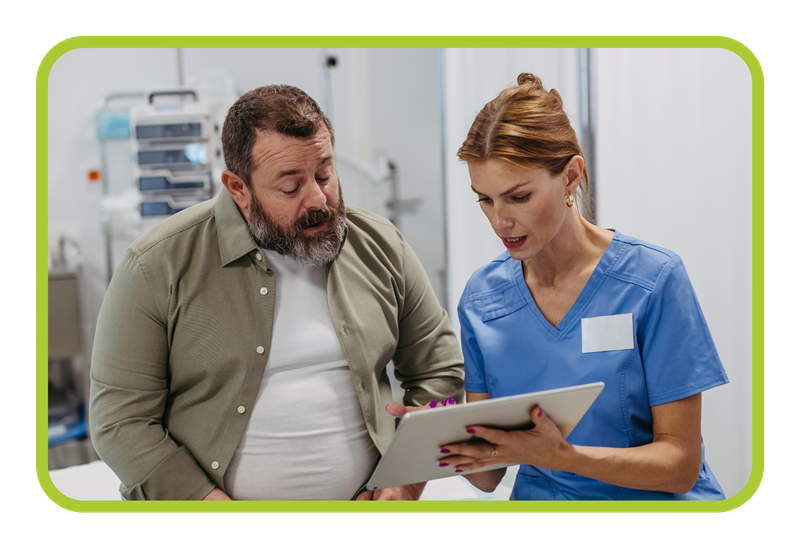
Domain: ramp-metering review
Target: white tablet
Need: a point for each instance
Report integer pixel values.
(414, 452)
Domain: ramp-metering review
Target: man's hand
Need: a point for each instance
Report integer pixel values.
(397, 410)
(404, 492)
(217, 494)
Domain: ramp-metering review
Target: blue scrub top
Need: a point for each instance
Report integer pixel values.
(510, 348)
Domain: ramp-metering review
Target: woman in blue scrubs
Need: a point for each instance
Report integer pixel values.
(570, 303)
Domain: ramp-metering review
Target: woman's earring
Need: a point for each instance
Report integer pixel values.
(570, 199)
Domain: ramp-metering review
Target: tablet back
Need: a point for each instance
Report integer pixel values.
(414, 452)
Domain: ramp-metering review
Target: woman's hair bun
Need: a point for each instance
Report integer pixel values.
(528, 78)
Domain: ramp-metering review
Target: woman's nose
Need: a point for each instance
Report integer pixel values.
(500, 220)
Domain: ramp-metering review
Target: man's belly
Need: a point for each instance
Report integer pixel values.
(306, 438)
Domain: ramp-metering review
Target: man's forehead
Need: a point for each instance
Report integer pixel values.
(274, 147)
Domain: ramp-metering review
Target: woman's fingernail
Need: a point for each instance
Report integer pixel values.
(451, 401)
(444, 402)
(432, 404)
(446, 451)
(539, 413)
(459, 471)
(470, 431)
(442, 464)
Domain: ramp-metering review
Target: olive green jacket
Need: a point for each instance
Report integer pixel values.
(185, 331)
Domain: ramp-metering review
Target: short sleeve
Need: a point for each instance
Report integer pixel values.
(474, 373)
(678, 353)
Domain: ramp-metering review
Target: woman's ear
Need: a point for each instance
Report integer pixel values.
(574, 170)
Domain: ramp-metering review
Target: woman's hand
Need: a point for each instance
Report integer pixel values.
(543, 446)
(670, 463)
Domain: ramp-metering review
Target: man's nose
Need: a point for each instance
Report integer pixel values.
(315, 199)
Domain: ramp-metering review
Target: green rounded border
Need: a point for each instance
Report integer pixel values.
(400, 42)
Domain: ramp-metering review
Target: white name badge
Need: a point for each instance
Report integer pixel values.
(607, 333)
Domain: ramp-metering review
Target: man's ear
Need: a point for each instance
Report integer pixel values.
(238, 191)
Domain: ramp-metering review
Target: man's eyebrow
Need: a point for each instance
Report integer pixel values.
(285, 173)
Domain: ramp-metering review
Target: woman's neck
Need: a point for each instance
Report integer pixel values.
(577, 246)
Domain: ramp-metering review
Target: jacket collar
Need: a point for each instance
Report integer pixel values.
(232, 233)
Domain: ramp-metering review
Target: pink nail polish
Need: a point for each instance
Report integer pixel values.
(441, 464)
(540, 413)
(451, 401)
(444, 402)
(432, 404)
(459, 471)
(470, 431)
(446, 451)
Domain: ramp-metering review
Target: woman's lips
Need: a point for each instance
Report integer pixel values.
(513, 242)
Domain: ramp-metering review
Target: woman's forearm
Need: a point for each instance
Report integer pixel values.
(662, 465)
(671, 463)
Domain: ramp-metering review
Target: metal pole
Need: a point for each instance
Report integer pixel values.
(588, 127)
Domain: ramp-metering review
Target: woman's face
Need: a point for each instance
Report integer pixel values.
(525, 206)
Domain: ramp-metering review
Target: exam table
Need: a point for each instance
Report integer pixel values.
(96, 481)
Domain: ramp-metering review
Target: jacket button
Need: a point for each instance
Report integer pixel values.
(258, 256)
(214, 465)
(260, 349)
(264, 290)
(241, 409)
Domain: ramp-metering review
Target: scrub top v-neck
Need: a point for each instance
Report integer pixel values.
(574, 312)
(636, 326)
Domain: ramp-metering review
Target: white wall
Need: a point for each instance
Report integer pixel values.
(674, 147)
(673, 167)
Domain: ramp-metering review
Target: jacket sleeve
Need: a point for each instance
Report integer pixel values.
(129, 391)
(428, 361)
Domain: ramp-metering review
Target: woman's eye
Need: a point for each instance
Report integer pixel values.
(522, 198)
(487, 200)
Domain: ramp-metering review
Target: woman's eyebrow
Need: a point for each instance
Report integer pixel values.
(504, 193)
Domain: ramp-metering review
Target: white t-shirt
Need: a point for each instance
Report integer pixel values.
(306, 438)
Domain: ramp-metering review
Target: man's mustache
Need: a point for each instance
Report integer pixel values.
(313, 217)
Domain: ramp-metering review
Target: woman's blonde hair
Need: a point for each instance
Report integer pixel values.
(526, 126)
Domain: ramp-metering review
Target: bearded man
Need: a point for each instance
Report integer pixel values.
(242, 345)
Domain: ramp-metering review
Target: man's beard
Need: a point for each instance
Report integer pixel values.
(316, 249)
